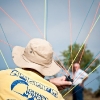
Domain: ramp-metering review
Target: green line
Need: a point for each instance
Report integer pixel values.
(69, 91)
(45, 20)
(84, 41)
(5, 36)
(95, 69)
(4, 59)
(84, 21)
(83, 24)
(83, 79)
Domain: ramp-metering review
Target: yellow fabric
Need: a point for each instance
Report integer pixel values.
(19, 84)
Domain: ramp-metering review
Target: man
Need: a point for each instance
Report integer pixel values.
(79, 78)
(27, 82)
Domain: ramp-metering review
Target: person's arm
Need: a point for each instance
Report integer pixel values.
(60, 82)
(82, 84)
(84, 76)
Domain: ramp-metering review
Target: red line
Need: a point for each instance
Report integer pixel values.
(31, 18)
(88, 67)
(61, 65)
(95, 14)
(70, 23)
(16, 23)
(90, 29)
(6, 43)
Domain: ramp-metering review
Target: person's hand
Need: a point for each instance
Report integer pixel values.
(81, 85)
(60, 82)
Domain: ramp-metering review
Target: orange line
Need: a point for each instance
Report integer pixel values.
(92, 62)
(55, 61)
(90, 29)
(6, 43)
(95, 14)
(31, 18)
(82, 53)
(41, 33)
(88, 67)
(61, 65)
(70, 23)
(16, 23)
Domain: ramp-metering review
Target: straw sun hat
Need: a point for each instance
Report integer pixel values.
(37, 55)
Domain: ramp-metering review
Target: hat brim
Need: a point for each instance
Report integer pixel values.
(23, 62)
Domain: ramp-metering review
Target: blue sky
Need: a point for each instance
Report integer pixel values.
(58, 27)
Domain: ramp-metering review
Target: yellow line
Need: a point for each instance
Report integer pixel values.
(83, 79)
(84, 41)
(4, 59)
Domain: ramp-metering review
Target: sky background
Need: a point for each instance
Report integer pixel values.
(58, 26)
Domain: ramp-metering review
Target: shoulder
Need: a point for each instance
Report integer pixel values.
(6, 70)
(80, 70)
(4, 73)
(83, 72)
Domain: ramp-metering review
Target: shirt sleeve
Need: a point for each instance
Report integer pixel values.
(84, 74)
(1, 74)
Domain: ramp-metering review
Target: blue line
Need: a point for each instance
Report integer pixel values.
(91, 60)
(82, 25)
(88, 64)
(5, 37)
(84, 21)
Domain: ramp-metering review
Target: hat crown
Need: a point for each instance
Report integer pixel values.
(39, 51)
(37, 55)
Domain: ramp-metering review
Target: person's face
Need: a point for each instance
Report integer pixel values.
(76, 66)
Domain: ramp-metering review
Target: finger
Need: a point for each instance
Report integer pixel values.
(66, 83)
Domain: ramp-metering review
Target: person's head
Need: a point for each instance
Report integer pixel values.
(76, 66)
(37, 55)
